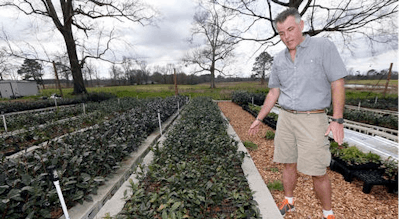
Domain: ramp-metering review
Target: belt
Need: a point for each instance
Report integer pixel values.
(305, 112)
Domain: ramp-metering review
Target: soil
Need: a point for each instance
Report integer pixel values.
(347, 198)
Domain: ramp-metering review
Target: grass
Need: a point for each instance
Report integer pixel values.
(222, 92)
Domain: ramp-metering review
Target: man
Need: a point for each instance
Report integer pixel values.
(306, 77)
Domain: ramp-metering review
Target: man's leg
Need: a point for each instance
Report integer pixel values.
(322, 186)
(289, 176)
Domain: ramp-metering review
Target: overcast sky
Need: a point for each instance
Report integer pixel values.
(166, 42)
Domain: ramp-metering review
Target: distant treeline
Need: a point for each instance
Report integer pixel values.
(155, 78)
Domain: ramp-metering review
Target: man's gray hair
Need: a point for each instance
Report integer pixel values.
(285, 14)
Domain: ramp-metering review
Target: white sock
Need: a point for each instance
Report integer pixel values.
(290, 200)
(326, 213)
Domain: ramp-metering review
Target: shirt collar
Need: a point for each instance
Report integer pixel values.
(303, 44)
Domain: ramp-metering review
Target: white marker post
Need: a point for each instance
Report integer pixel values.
(178, 106)
(5, 124)
(159, 121)
(84, 109)
(55, 179)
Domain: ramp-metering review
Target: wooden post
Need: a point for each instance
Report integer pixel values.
(176, 83)
(57, 81)
(388, 79)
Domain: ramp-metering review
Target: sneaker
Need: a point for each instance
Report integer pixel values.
(285, 207)
(329, 217)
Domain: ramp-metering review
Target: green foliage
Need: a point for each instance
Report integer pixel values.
(274, 169)
(196, 174)
(391, 167)
(353, 155)
(83, 160)
(250, 145)
(270, 135)
(275, 185)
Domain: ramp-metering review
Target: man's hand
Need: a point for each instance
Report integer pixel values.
(337, 131)
(254, 127)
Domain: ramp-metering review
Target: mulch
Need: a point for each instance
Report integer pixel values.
(347, 198)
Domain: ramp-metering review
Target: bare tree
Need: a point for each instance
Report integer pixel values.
(375, 20)
(115, 73)
(209, 20)
(143, 74)
(71, 16)
(4, 65)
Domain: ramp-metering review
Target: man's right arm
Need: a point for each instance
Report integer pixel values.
(269, 103)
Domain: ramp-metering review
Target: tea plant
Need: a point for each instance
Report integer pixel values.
(196, 174)
(84, 161)
(270, 135)
(275, 185)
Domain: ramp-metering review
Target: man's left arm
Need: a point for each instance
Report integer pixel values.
(338, 101)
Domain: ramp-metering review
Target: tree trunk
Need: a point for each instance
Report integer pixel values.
(212, 71)
(79, 86)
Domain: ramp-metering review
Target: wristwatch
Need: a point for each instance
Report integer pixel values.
(339, 120)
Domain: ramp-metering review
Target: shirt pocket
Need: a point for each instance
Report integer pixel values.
(283, 75)
(313, 67)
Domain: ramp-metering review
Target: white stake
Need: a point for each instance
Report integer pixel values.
(376, 99)
(159, 122)
(178, 107)
(55, 179)
(84, 110)
(55, 101)
(61, 197)
(5, 124)
(252, 100)
(359, 104)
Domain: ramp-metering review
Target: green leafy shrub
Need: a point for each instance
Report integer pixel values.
(196, 174)
(275, 185)
(83, 160)
(250, 145)
(391, 167)
(270, 135)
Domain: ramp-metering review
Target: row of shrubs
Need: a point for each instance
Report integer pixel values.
(16, 106)
(196, 173)
(383, 120)
(84, 161)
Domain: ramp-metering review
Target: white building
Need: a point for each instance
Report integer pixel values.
(10, 88)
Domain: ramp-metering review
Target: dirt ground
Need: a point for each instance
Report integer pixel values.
(348, 199)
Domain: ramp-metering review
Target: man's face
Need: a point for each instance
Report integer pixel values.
(291, 32)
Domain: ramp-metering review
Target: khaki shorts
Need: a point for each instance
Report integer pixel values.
(300, 138)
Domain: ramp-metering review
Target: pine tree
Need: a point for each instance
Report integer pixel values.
(262, 64)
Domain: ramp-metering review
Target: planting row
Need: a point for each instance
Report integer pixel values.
(83, 161)
(195, 174)
(350, 161)
(387, 103)
(35, 135)
(16, 106)
(388, 121)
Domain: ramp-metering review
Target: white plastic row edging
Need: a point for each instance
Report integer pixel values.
(88, 210)
(21, 131)
(262, 195)
(39, 110)
(379, 111)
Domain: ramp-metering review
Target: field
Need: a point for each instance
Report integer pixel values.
(222, 92)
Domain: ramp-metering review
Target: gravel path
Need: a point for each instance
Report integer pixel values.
(348, 199)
